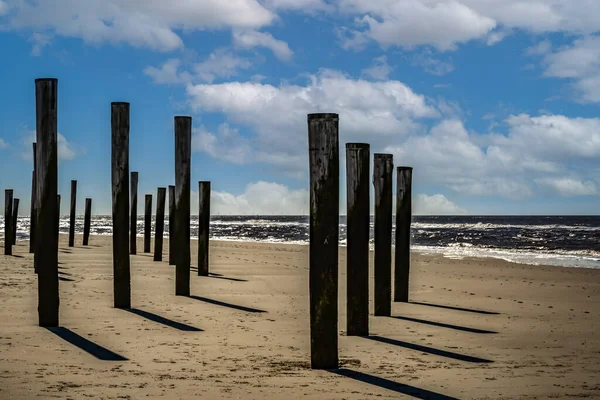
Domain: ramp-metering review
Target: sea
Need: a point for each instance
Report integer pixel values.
(567, 241)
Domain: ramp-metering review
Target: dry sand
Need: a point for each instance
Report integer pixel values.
(246, 333)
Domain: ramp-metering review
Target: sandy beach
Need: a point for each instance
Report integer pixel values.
(475, 329)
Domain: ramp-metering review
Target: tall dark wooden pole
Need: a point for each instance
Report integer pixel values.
(323, 151)
(15, 220)
(183, 145)
(160, 223)
(383, 170)
(32, 211)
(358, 227)
(203, 226)
(403, 220)
(8, 220)
(120, 204)
(72, 213)
(171, 224)
(148, 223)
(133, 213)
(46, 181)
(87, 221)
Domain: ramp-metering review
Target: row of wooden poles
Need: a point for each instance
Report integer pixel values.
(323, 138)
(323, 142)
(45, 209)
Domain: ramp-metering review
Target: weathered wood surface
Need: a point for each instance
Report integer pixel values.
(8, 218)
(72, 213)
(171, 224)
(183, 147)
(15, 220)
(323, 143)
(46, 201)
(403, 221)
(383, 170)
(133, 213)
(160, 223)
(147, 223)
(120, 204)
(32, 217)
(87, 221)
(203, 227)
(357, 236)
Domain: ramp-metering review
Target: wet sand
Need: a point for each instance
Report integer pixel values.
(475, 329)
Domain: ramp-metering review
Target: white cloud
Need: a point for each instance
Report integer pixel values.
(307, 6)
(431, 64)
(227, 144)
(66, 150)
(249, 39)
(380, 69)
(579, 62)
(168, 73)
(259, 198)
(3, 8)
(140, 23)
(3, 144)
(436, 204)
(569, 186)
(539, 49)
(40, 41)
(277, 114)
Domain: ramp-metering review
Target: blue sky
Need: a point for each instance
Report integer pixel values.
(494, 104)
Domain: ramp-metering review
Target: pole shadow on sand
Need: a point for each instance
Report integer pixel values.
(101, 353)
(222, 303)
(427, 349)
(454, 308)
(162, 320)
(391, 385)
(443, 325)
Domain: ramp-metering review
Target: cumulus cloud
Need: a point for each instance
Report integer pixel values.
(431, 64)
(3, 144)
(140, 23)
(580, 63)
(379, 70)
(436, 204)
(168, 73)
(250, 39)
(277, 114)
(227, 144)
(66, 150)
(565, 186)
(259, 198)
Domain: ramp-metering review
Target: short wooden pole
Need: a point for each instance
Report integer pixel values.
(403, 220)
(383, 170)
(183, 145)
(323, 143)
(171, 224)
(203, 226)
(160, 223)
(46, 206)
(87, 221)
(32, 211)
(15, 220)
(120, 201)
(148, 223)
(133, 213)
(72, 213)
(8, 221)
(358, 227)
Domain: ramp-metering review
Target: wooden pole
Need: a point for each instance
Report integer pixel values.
(32, 210)
(120, 204)
(183, 142)
(57, 220)
(383, 170)
(72, 214)
(323, 149)
(358, 227)
(403, 220)
(171, 224)
(46, 206)
(8, 221)
(87, 221)
(133, 213)
(203, 226)
(148, 223)
(15, 220)
(160, 223)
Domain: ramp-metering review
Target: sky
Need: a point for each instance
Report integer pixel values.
(495, 104)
